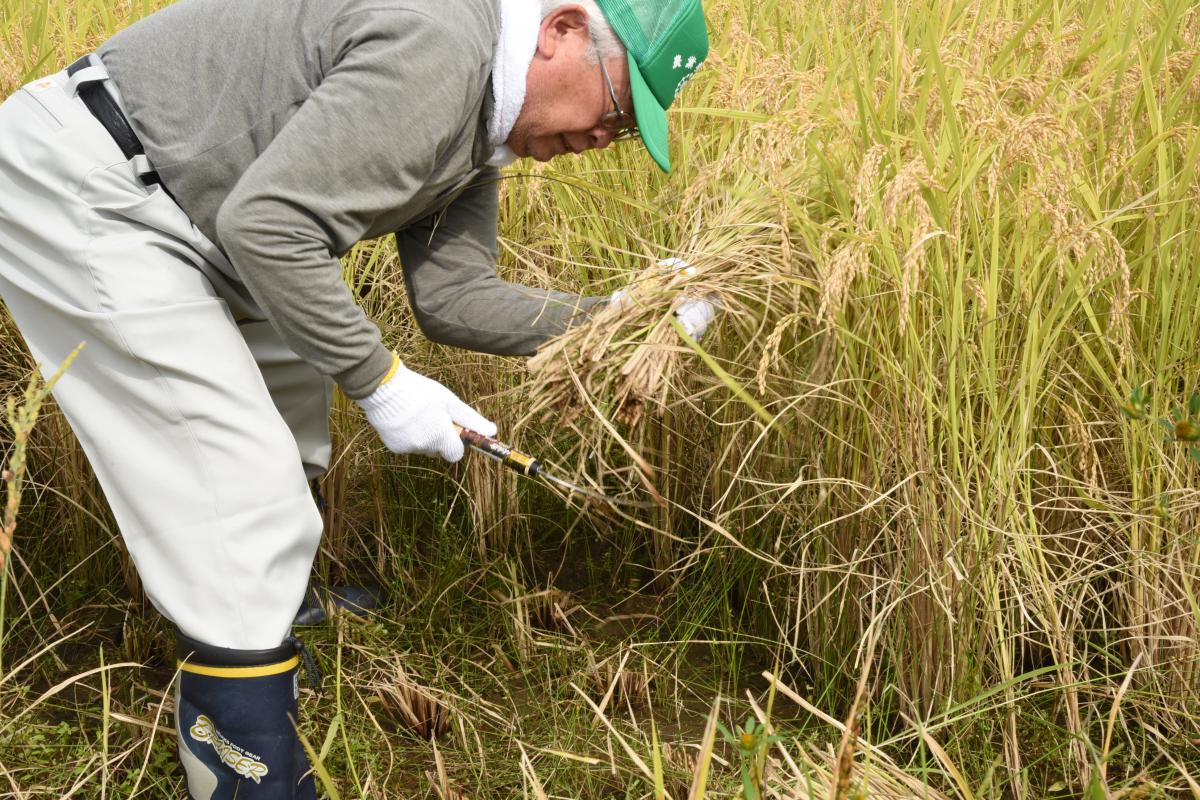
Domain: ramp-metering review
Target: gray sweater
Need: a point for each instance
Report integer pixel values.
(289, 130)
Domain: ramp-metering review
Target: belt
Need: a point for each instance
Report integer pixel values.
(105, 109)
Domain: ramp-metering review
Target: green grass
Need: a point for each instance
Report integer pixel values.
(952, 238)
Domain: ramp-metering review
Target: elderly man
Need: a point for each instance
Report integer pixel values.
(179, 201)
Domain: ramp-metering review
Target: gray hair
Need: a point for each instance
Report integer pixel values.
(605, 43)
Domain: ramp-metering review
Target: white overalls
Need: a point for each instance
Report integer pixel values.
(202, 426)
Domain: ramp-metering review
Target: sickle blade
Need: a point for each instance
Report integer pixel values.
(603, 498)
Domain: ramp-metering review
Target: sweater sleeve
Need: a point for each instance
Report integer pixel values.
(458, 299)
(361, 144)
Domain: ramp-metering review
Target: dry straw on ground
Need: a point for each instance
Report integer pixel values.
(420, 710)
(623, 678)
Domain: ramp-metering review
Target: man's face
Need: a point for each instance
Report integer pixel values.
(565, 93)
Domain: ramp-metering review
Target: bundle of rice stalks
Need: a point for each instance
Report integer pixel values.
(551, 608)
(623, 362)
(624, 353)
(419, 709)
(682, 762)
(680, 756)
(547, 610)
(612, 680)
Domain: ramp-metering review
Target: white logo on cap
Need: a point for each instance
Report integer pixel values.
(690, 66)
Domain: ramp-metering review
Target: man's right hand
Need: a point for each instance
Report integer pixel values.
(415, 414)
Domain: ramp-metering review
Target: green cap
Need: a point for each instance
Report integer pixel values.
(666, 41)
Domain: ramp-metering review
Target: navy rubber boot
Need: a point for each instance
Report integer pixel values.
(235, 713)
(320, 600)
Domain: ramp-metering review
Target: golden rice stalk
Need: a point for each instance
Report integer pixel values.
(21, 419)
(771, 351)
(903, 197)
(974, 290)
(838, 271)
(1087, 459)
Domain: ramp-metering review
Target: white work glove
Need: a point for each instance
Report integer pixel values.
(414, 414)
(694, 313)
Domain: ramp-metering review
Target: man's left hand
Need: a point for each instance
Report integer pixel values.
(695, 314)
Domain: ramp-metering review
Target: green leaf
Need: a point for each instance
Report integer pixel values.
(1194, 404)
(660, 789)
(725, 377)
(749, 792)
(1194, 452)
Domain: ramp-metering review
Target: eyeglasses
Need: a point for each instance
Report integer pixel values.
(619, 123)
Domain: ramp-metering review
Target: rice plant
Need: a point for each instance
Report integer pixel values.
(922, 534)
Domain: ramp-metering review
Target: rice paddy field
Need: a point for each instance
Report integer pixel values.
(929, 518)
